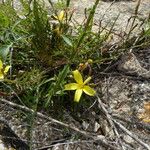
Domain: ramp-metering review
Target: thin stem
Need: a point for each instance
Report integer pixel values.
(83, 34)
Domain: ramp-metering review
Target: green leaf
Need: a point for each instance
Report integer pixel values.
(57, 86)
(4, 51)
(67, 40)
(63, 74)
(4, 21)
(147, 32)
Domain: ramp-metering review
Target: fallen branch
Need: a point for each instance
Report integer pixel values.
(139, 125)
(110, 120)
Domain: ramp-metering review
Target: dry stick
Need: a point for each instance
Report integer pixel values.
(139, 125)
(64, 143)
(131, 135)
(121, 126)
(100, 139)
(109, 118)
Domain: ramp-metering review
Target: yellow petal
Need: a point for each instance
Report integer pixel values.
(89, 91)
(61, 15)
(87, 80)
(78, 77)
(1, 76)
(6, 69)
(78, 94)
(1, 64)
(71, 86)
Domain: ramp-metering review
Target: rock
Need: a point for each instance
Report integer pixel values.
(129, 64)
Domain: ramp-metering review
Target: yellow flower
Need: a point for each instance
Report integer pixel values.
(60, 17)
(80, 86)
(3, 70)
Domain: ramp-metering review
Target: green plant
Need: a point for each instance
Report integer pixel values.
(40, 28)
(27, 86)
(4, 21)
(56, 86)
(147, 28)
(61, 4)
(83, 34)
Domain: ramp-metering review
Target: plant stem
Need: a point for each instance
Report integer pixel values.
(90, 17)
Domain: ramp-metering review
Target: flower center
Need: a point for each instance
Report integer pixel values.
(81, 86)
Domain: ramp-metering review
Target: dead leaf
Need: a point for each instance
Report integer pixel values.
(145, 116)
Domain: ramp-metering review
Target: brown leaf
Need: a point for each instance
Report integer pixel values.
(145, 116)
